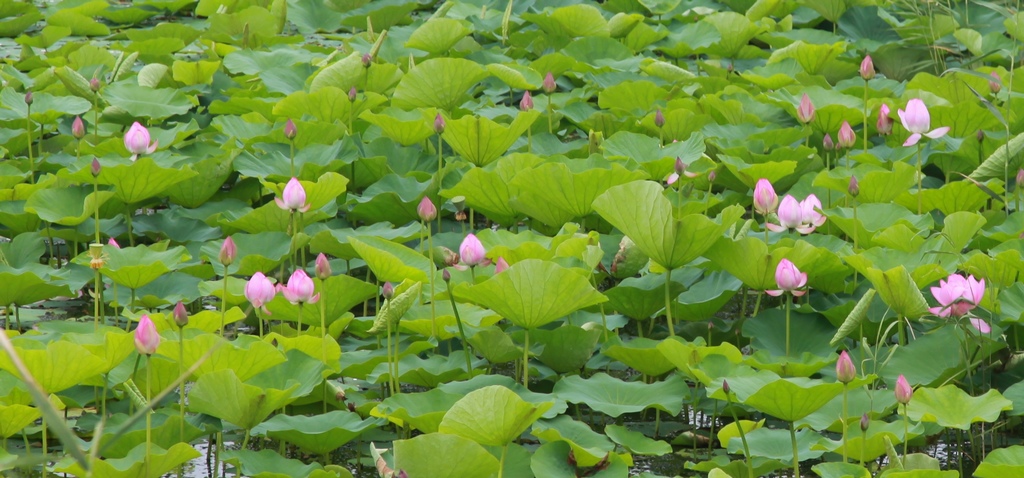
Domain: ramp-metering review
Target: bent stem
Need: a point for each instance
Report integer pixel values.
(462, 333)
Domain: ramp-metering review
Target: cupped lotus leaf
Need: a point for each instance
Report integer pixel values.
(640, 354)
(428, 373)
(614, 397)
(392, 199)
(873, 218)
(735, 30)
(360, 363)
(206, 320)
(270, 464)
(690, 39)
(134, 267)
(112, 347)
(953, 197)
(589, 446)
(438, 35)
(571, 21)
(705, 298)
(951, 407)
(422, 411)
(301, 374)
(15, 417)
(142, 179)
(57, 366)
(656, 159)
(555, 186)
(245, 358)
(222, 395)
(390, 313)
(895, 286)
(494, 345)
(763, 466)
(118, 442)
(192, 73)
(211, 173)
(26, 286)
(319, 434)
(46, 108)
(775, 444)
(636, 97)
(480, 381)
(1001, 160)
(567, 348)
(328, 104)
(641, 211)
(811, 57)
(173, 224)
(641, 297)
(552, 460)
(158, 462)
(489, 191)
(688, 356)
(439, 83)
(533, 293)
(516, 76)
(430, 456)
(732, 430)
(481, 140)
(405, 127)
(637, 443)
(871, 444)
(17, 17)
(143, 102)
(1002, 463)
(390, 261)
(260, 252)
(67, 206)
(326, 349)
(327, 188)
(491, 416)
(747, 259)
(335, 241)
(942, 364)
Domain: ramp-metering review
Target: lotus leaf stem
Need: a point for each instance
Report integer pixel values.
(743, 435)
(796, 457)
(668, 304)
(149, 414)
(31, 160)
(789, 305)
(526, 359)
(846, 444)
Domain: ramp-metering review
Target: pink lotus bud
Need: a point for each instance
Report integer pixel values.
(471, 251)
(367, 59)
(113, 243)
(712, 176)
(1020, 177)
(845, 371)
(679, 166)
(78, 128)
(293, 198)
(228, 251)
(388, 291)
(289, 129)
(28, 98)
(527, 102)
(884, 125)
(549, 83)
(996, 83)
(725, 387)
(805, 112)
(146, 337)
(789, 279)
(867, 68)
(259, 291)
(827, 144)
(180, 315)
(426, 210)
(95, 167)
(439, 124)
(903, 390)
(300, 289)
(865, 421)
(446, 276)
(916, 120)
(352, 94)
(980, 135)
(854, 187)
(659, 118)
(323, 267)
(847, 138)
(136, 140)
(500, 266)
(94, 85)
(765, 199)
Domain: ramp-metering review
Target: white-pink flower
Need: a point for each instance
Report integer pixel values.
(136, 141)
(471, 251)
(765, 199)
(300, 289)
(260, 291)
(789, 279)
(293, 198)
(917, 121)
(957, 295)
(146, 337)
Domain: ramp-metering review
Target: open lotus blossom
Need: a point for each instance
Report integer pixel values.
(805, 112)
(300, 289)
(789, 279)
(811, 217)
(801, 216)
(958, 295)
(884, 124)
(146, 337)
(136, 141)
(259, 291)
(917, 121)
(293, 198)
(765, 199)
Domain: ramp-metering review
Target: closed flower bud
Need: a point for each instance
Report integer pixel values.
(113, 243)
(903, 390)
(439, 124)
(426, 210)
(95, 167)
(549, 83)
(180, 315)
(146, 338)
(847, 138)
(526, 104)
(293, 197)
(446, 276)
(864, 422)
(867, 68)
(136, 141)
(228, 251)
(388, 291)
(980, 135)
(845, 371)
(995, 84)
(1020, 177)
(289, 129)
(471, 251)
(28, 98)
(659, 118)
(805, 111)
(725, 387)
(323, 267)
(300, 289)
(352, 94)
(854, 187)
(78, 128)
(367, 59)
(94, 85)
(884, 125)
(712, 176)
(827, 143)
(500, 266)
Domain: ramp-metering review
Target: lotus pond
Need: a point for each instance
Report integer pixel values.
(533, 238)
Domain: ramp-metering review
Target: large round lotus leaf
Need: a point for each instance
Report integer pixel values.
(320, 434)
(493, 416)
(614, 397)
(432, 456)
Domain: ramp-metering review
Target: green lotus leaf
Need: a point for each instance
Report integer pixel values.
(480, 140)
(705, 298)
(552, 460)
(405, 127)
(428, 373)
(439, 83)
(516, 76)
(640, 354)
(953, 197)
(134, 464)
(872, 444)
(46, 108)
(641, 297)
(438, 35)
(735, 30)
(57, 366)
(567, 348)
(951, 407)
(941, 365)
(430, 456)
(143, 102)
(134, 267)
(555, 186)
(118, 442)
(492, 416)
(635, 442)
(1002, 463)
(641, 211)
(872, 218)
(422, 411)
(15, 417)
(312, 16)
(488, 190)
(571, 21)
(390, 261)
(689, 356)
(270, 464)
(335, 241)
(775, 444)
(222, 395)
(614, 397)
(533, 293)
(690, 39)
(747, 259)
(392, 199)
(896, 287)
(589, 446)
(381, 14)
(17, 17)
(340, 292)
(244, 358)
(494, 344)
(68, 206)
(320, 434)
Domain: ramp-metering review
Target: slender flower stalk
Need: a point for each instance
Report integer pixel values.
(789, 279)
(904, 393)
(739, 426)
(228, 251)
(146, 342)
(867, 72)
(289, 133)
(427, 212)
(845, 373)
(28, 130)
(323, 271)
(447, 277)
(549, 88)
(917, 121)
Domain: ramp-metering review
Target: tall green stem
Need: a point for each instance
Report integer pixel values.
(668, 304)
(149, 413)
(789, 305)
(433, 273)
(845, 415)
(906, 430)
(462, 333)
(796, 457)
(440, 176)
(526, 358)
(224, 302)
(31, 160)
(865, 122)
(920, 176)
(743, 435)
(323, 335)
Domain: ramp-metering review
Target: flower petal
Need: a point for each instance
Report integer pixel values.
(937, 132)
(774, 292)
(912, 140)
(981, 325)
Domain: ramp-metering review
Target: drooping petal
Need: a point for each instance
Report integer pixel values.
(912, 140)
(981, 325)
(937, 132)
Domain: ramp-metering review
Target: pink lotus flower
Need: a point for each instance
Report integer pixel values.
(812, 219)
(791, 215)
(136, 141)
(867, 68)
(180, 315)
(903, 390)
(293, 198)
(526, 104)
(884, 125)
(146, 337)
(426, 210)
(917, 121)
(765, 199)
(827, 144)
(847, 138)
(290, 130)
(549, 85)
(259, 291)
(300, 289)
(500, 266)
(228, 251)
(957, 295)
(845, 371)
(996, 83)
(439, 124)
(78, 128)
(323, 268)
(113, 243)
(805, 112)
(95, 168)
(789, 279)
(471, 251)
